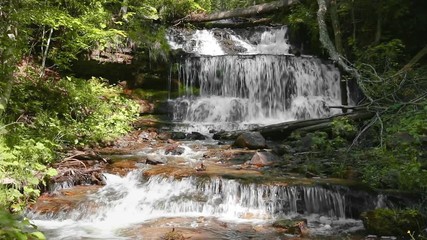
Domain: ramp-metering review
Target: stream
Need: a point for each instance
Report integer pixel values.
(229, 80)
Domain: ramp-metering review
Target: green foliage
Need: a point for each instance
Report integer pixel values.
(303, 15)
(46, 115)
(381, 58)
(11, 227)
(76, 26)
(89, 111)
(175, 9)
(388, 222)
(343, 127)
(398, 169)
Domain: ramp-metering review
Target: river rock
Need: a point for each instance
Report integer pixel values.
(296, 227)
(155, 159)
(178, 135)
(164, 136)
(251, 140)
(174, 149)
(223, 135)
(195, 136)
(261, 159)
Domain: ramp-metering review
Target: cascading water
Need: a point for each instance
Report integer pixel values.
(262, 84)
(126, 201)
(230, 79)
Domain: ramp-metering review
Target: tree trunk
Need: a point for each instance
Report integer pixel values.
(338, 43)
(240, 12)
(353, 21)
(46, 51)
(336, 26)
(379, 23)
(329, 46)
(6, 86)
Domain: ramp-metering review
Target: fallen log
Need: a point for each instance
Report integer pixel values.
(240, 24)
(283, 130)
(239, 12)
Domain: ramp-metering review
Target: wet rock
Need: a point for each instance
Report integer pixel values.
(148, 135)
(145, 106)
(222, 135)
(262, 158)
(390, 222)
(155, 159)
(64, 200)
(178, 135)
(174, 149)
(281, 149)
(251, 140)
(195, 136)
(170, 171)
(123, 164)
(173, 235)
(200, 168)
(296, 227)
(164, 136)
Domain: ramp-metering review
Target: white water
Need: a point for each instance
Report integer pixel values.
(200, 42)
(213, 42)
(126, 201)
(261, 85)
(258, 89)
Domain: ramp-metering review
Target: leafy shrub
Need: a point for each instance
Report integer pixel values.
(71, 111)
(386, 222)
(13, 228)
(46, 115)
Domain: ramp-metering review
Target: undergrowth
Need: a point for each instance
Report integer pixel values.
(45, 116)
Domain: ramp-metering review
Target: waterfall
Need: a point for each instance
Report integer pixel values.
(135, 199)
(131, 200)
(262, 84)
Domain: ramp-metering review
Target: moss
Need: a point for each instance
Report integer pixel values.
(173, 235)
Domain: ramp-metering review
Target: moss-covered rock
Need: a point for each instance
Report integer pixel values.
(383, 221)
(296, 227)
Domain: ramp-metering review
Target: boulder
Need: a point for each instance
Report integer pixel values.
(195, 136)
(261, 159)
(251, 140)
(178, 135)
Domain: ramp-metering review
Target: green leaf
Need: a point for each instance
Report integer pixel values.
(51, 172)
(38, 235)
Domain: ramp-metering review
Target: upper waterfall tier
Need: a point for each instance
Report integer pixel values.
(234, 78)
(256, 89)
(225, 41)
